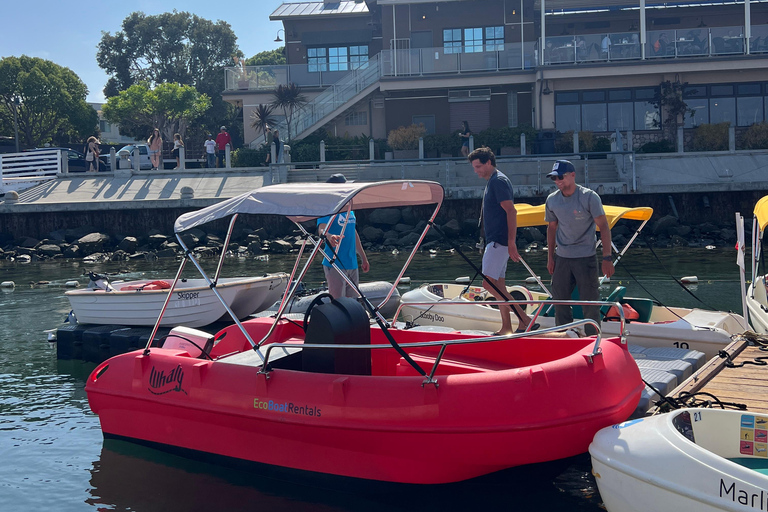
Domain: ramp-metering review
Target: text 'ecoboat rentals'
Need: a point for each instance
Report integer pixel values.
(339, 394)
(702, 460)
(654, 325)
(193, 302)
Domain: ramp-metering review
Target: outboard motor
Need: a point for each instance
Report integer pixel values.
(341, 321)
(98, 282)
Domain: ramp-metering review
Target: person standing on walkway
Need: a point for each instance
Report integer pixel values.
(210, 151)
(278, 146)
(177, 144)
(155, 142)
(572, 213)
(92, 154)
(346, 247)
(499, 219)
(465, 134)
(222, 139)
(268, 136)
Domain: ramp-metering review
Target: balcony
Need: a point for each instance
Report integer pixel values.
(267, 78)
(457, 60)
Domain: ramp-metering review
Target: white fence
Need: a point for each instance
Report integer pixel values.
(22, 170)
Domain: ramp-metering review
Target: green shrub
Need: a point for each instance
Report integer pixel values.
(661, 146)
(601, 145)
(756, 137)
(450, 143)
(406, 137)
(710, 137)
(244, 157)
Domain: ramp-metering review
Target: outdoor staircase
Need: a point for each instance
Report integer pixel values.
(334, 100)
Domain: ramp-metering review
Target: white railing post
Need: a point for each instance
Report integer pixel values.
(421, 148)
(471, 143)
(136, 159)
(371, 150)
(182, 157)
(522, 143)
(322, 151)
(63, 165)
(227, 156)
(112, 159)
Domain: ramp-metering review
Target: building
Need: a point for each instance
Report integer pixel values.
(560, 65)
(110, 133)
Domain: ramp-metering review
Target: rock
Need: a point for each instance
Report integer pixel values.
(280, 246)
(682, 231)
(93, 242)
(708, 228)
(409, 240)
(620, 229)
(49, 250)
(28, 242)
(452, 228)
(253, 238)
(24, 258)
(157, 240)
(190, 239)
(663, 225)
(402, 228)
(97, 257)
(255, 247)
(73, 251)
(386, 216)
(119, 255)
(408, 216)
(128, 244)
(166, 253)
(372, 234)
(22, 250)
(469, 227)
(728, 234)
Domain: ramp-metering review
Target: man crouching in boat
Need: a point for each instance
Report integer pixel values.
(347, 247)
(499, 219)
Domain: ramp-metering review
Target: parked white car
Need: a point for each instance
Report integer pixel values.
(145, 162)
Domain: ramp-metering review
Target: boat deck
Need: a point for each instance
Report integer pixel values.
(744, 382)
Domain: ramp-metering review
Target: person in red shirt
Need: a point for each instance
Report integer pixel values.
(222, 139)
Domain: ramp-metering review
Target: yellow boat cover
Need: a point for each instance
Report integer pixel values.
(528, 215)
(761, 213)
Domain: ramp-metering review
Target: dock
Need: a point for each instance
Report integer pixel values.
(738, 376)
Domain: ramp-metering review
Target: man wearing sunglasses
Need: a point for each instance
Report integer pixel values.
(572, 213)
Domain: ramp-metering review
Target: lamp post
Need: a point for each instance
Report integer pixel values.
(16, 104)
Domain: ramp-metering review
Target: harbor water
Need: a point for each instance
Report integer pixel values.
(54, 457)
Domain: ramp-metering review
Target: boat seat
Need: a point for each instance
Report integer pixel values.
(615, 296)
(643, 306)
(449, 365)
(342, 321)
(759, 292)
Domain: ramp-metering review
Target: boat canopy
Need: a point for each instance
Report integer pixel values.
(528, 215)
(305, 201)
(761, 213)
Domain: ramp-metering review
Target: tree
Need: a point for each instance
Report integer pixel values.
(175, 47)
(262, 118)
(672, 106)
(267, 58)
(169, 107)
(49, 101)
(289, 98)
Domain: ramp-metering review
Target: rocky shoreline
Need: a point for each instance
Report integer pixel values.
(380, 230)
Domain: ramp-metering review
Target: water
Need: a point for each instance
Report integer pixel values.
(54, 456)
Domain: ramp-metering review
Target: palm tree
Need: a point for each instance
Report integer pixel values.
(289, 98)
(262, 118)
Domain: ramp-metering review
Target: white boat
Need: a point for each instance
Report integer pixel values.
(757, 299)
(193, 302)
(374, 291)
(688, 460)
(656, 325)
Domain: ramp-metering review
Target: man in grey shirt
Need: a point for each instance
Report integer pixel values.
(572, 212)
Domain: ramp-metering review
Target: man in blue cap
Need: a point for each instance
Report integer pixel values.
(346, 246)
(572, 213)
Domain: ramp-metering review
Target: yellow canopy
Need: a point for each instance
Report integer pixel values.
(761, 213)
(528, 215)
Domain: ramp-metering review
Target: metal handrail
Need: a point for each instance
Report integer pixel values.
(442, 343)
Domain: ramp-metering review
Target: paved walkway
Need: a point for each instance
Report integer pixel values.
(143, 190)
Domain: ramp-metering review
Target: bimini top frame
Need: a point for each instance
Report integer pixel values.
(301, 202)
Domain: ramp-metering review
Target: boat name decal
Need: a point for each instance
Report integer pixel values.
(753, 500)
(289, 407)
(187, 295)
(161, 382)
(432, 317)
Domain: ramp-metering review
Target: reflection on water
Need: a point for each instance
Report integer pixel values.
(54, 456)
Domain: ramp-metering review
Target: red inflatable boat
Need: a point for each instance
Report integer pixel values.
(338, 395)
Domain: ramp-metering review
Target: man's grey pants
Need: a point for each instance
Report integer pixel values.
(569, 273)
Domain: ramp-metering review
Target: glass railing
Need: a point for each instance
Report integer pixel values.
(703, 41)
(456, 60)
(592, 48)
(267, 78)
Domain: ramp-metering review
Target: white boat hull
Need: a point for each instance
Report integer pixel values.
(757, 305)
(649, 464)
(193, 303)
(694, 329)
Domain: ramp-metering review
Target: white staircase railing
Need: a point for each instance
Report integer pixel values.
(336, 96)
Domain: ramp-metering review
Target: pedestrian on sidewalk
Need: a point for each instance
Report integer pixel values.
(177, 144)
(222, 139)
(155, 142)
(210, 151)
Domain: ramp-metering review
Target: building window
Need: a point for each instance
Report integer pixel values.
(739, 105)
(606, 110)
(427, 120)
(474, 40)
(105, 127)
(356, 118)
(337, 58)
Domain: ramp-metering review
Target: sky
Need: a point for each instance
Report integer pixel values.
(68, 32)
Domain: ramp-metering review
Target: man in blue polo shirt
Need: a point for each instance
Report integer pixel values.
(347, 247)
(500, 225)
